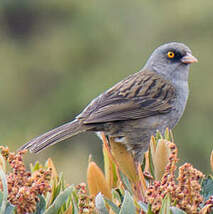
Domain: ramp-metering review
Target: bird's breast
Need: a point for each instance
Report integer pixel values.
(182, 92)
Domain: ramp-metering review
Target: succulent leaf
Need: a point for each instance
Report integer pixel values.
(207, 187)
(128, 205)
(59, 201)
(100, 204)
(166, 203)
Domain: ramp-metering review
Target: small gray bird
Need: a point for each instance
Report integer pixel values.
(136, 107)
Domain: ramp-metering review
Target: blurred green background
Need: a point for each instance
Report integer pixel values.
(56, 56)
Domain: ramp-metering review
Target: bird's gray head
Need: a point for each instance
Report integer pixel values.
(171, 60)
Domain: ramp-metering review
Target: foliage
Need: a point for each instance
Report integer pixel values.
(56, 56)
(125, 187)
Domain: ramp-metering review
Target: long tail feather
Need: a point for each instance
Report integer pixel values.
(54, 136)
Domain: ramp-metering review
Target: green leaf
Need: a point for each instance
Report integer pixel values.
(143, 206)
(128, 205)
(59, 201)
(207, 187)
(116, 194)
(143, 163)
(10, 209)
(149, 209)
(35, 167)
(166, 203)
(75, 201)
(1, 197)
(41, 205)
(5, 192)
(115, 209)
(158, 136)
(168, 135)
(176, 210)
(151, 166)
(126, 182)
(75, 208)
(57, 188)
(100, 204)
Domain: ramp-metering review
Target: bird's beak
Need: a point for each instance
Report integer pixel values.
(189, 58)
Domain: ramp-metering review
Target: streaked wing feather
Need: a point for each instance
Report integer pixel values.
(140, 95)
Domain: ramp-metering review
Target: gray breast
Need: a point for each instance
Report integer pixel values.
(182, 92)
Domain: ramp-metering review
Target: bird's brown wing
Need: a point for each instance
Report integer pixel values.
(138, 96)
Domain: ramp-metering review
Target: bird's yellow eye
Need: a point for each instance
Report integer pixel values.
(171, 54)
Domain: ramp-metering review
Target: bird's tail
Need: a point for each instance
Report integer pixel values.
(55, 136)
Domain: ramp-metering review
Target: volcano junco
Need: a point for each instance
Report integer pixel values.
(131, 111)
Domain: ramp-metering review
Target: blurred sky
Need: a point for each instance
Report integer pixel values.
(56, 56)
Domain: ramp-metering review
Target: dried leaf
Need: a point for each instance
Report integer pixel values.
(147, 166)
(161, 158)
(96, 181)
(109, 168)
(51, 165)
(142, 180)
(124, 160)
(2, 163)
(153, 145)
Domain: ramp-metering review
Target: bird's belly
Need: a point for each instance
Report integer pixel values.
(136, 134)
(139, 126)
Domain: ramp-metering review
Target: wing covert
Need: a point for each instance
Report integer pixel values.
(140, 95)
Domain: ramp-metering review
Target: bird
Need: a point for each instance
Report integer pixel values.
(150, 100)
